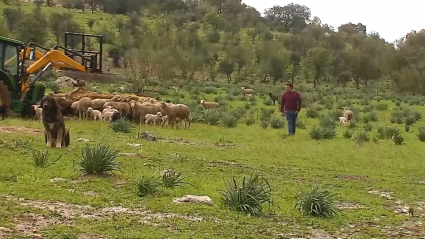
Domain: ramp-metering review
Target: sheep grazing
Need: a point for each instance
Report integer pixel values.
(151, 118)
(210, 105)
(180, 111)
(348, 114)
(247, 91)
(83, 105)
(94, 114)
(165, 119)
(142, 109)
(108, 115)
(274, 98)
(343, 120)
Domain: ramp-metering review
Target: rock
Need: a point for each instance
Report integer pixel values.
(145, 164)
(65, 81)
(82, 140)
(149, 136)
(134, 145)
(194, 199)
(55, 180)
(5, 229)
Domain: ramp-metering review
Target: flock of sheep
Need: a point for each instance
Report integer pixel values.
(146, 110)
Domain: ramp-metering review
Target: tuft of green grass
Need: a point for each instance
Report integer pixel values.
(121, 125)
(421, 134)
(249, 196)
(316, 202)
(98, 160)
(147, 186)
(171, 179)
(41, 159)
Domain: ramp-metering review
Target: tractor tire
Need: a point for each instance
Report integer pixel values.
(5, 98)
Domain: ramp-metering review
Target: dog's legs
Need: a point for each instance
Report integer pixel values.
(59, 138)
(49, 139)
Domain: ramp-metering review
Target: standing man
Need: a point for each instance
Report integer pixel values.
(290, 107)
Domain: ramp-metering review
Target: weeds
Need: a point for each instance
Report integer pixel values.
(99, 160)
(317, 202)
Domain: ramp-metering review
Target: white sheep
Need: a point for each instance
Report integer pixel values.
(108, 115)
(348, 114)
(98, 103)
(83, 105)
(142, 109)
(38, 112)
(107, 108)
(343, 120)
(247, 91)
(180, 111)
(94, 114)
(151, 118)
(210, 105)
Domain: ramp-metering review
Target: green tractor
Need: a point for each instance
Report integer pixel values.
(15, 88)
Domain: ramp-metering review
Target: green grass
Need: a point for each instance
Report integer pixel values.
(290, 164)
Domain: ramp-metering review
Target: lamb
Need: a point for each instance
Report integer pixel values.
(141, 109)
(107, 108)
(83, 105)
(180, 111)
(116, 105)
(165, 119)
(95, 114)
(38, 112)
(248, 96)
(274, 98)
(343, 120)
(348, 114)
(247, 91)
(151, 118)
(108, 115)
(74, 108)
(210, 105)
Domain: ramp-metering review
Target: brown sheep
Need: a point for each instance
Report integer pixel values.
(180, 111)
(274, 98)
(210, 105)
(83, 105)
(348, 114)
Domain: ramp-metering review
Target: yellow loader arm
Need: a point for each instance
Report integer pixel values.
(58, 59)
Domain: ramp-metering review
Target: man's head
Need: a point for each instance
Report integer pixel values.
(289, 86)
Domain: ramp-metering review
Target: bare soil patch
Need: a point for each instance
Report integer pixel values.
(227, 164)
(16, 130)
(198, 143)
(349, 206)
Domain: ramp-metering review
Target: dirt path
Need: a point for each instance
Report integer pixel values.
(17, 129)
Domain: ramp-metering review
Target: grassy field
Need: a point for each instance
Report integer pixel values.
(376, 181)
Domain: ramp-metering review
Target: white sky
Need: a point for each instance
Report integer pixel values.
(391, 18)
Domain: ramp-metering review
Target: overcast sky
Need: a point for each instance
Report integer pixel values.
(391, 18)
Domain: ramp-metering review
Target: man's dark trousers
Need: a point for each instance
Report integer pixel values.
(291, 117)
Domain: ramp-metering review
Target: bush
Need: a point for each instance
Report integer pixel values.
(98, 160)
(387, 132)
(171, 179)
(397, 139)
(381, 107)
(212, 117)
(361, 137)
(250, 121)
(248, 197)
(277, 123)
(266, 114)
(121, 125)
(421, 134)
(264, 124)
(317, 202)
(300, 124)
(268, 101)
(229, 121)
(210, 90)
(312, 113)
(320, 132)
(348, 134)
(327, 122)
(368, 127)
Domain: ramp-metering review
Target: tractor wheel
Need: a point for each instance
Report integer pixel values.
(5, 98)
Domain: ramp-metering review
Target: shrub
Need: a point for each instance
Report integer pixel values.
(41, 159)
(348, 134)
(268, 101)
(266, 114)
(99, 159)
(361, 137)
(171, 179)
(300, 124)
(210, 90)
(312, 113)
(368, 127)
(147, 186)
(387, 132)
(397, 139)
(335, 114)
(250, 121)
(121, 125)
(264, 124)
(229, 121)
(381, 107)
(212, 117)
(320, 132)
(277, 123)
(372, 116)
(421, 134)
(410, 119)
(327, 122)
(317, 202)
(248, 197)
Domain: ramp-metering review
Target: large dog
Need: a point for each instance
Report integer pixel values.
(54, 124)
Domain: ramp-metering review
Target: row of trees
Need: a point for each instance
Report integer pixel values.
(207, 38)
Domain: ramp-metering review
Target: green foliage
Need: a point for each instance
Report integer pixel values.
(421, 134)
(387, 132)
(122, 125)
(229, 120)
(171, 179)
(361, 137)
(320, 132)
(347, 134)
(99, 160)
(249, 196)
(277, 123)
(147, 186)
(250, 121)
(316, 202)
(41, 159)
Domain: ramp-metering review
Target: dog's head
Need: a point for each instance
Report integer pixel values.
(48, 103)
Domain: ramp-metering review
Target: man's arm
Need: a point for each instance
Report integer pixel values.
(282, 106)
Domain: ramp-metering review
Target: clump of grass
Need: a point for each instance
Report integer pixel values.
(248, 197)
(229, 121)
(312, 113)
(277, 123)
(250, 121)
(387, 132)
(212, 117)
(264, 124)
(320, 132)
(361, 137)
(421, 134)
(381, 107)
(99, 160)
(171, 179)
(368, 127)
(147, 186)
(266, 114)
(300, 124)
(317, 203)
(327, 122)
(397, 139)
(41, 159)
(121, 125)
(348, 134)
(268, 101)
